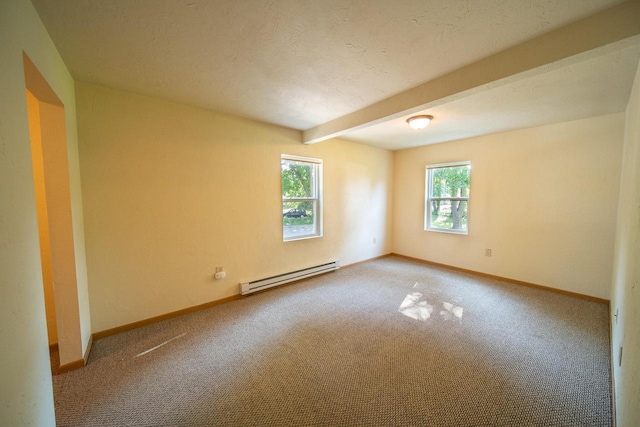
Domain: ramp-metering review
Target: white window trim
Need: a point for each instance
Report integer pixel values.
(317, 200)
(300, 159)
(428, 199)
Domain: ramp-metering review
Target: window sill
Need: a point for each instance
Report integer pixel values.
(439, 230)
(293, 239)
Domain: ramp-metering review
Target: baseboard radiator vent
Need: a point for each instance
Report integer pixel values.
(269, 282)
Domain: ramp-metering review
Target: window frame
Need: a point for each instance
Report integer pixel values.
(429, 169)
(317, 200)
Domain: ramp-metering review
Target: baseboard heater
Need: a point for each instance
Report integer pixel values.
(269, 282)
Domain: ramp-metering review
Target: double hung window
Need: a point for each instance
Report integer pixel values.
(447, 197)
(301, 197)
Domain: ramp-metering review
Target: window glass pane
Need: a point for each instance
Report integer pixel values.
(450, 182)
(301, 197)
(298, 179)
(299, 219)
(449, 215)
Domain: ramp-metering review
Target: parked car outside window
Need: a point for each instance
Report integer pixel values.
(295, 213)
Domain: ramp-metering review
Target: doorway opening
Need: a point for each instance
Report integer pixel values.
(48, 139)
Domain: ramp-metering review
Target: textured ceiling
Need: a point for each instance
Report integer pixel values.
(593, 87)
(295, 63)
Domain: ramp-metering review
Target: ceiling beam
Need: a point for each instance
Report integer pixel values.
(558, 47)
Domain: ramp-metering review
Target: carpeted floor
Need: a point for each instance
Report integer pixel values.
(385, 343)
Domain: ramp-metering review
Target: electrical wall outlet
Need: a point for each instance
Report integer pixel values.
(220, 273)
(487, 252)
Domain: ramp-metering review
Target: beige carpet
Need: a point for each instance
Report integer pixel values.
(385, 343)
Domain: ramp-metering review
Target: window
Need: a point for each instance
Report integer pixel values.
(301, 197)
(447, 197)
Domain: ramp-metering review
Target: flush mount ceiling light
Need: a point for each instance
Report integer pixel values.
(419, 122)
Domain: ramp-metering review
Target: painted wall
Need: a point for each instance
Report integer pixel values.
(26, 396)
(35, 132)
(61, 238)
(171, 192)
(626, 275)
(543, 199)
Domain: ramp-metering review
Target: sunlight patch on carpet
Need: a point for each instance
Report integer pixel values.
(160, 345)
(416, 306)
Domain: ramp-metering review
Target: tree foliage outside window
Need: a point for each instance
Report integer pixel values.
(301, 197)
(447, 201)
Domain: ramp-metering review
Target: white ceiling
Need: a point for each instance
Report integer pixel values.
(302, 63)
(593, 87)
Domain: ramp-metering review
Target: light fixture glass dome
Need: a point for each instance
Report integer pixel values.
(419, 122)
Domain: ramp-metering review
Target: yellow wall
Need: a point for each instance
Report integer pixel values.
(626, 275)
(26, 396)
(43, 216)
(171, 192)
(61, 238)
(543, 199)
